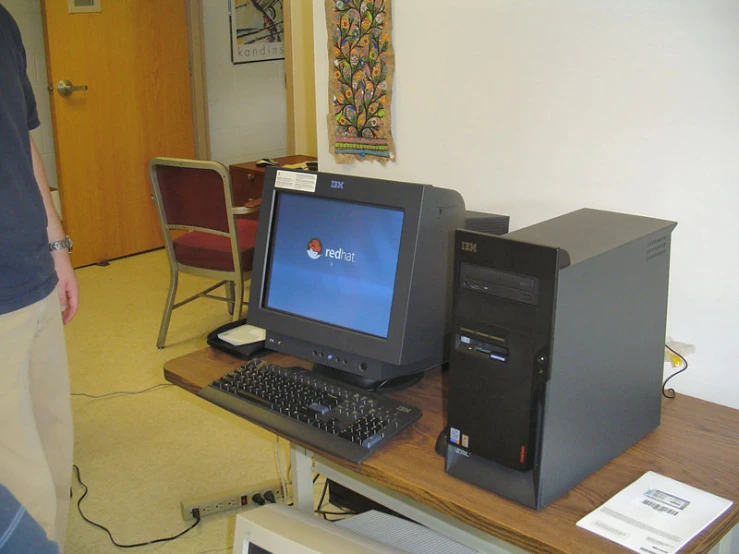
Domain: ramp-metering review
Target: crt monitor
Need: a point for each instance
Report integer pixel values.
(279, 529)
(353, 273)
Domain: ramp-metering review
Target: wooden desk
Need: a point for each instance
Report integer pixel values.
(697, 443)
(248, 178)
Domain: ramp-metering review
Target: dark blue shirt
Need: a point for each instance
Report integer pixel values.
(26, 267)
(19, 532)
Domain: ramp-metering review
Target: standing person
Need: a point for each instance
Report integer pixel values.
(19, 532)
(38, 294)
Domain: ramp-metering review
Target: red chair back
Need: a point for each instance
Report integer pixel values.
(194, 197)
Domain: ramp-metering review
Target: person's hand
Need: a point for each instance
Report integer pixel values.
(68, 287)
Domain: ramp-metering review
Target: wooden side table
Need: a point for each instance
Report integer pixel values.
(248, 178)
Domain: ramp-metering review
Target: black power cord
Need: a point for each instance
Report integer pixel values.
(195, 514)
(670, 393)
(325, 513)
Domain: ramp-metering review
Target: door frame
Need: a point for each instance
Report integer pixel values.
(302, 137)
(198, 83)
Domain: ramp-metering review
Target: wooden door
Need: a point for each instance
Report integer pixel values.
(133, 58)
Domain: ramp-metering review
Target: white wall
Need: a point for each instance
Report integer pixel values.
(246, 102)
(27, 13)
(534, 109)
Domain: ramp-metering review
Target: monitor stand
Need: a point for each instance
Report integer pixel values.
(381, 387)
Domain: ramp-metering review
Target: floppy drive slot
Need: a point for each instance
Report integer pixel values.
(482, 348)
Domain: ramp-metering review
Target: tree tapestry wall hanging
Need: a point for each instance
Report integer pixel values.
(360, 80)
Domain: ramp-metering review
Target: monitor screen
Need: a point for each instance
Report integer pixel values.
(334, 262)
(354, 273)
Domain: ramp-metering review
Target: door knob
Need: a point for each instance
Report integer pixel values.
(66, 88)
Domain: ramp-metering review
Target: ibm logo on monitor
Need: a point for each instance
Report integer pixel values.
(469, 246)
(337, 185)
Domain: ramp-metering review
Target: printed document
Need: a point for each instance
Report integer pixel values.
(655, 514)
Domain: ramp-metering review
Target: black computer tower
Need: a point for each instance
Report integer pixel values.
(493, 224)
(557, 356)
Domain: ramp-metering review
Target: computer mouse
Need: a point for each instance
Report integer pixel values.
(441, 442)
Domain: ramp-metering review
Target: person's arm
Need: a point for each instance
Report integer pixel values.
(68, 288)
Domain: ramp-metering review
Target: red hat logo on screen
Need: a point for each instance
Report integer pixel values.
(315, 248)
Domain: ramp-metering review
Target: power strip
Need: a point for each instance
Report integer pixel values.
(256, 495)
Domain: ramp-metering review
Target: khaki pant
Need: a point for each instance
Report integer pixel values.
(36, 437)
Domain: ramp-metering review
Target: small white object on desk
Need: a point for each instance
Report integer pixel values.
(244, 334)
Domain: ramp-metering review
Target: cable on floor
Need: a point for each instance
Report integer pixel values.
(119, 545)
(123, 392)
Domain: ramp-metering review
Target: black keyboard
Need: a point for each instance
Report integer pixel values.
(315, 410)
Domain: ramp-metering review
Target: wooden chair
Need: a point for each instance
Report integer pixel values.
(202, 233)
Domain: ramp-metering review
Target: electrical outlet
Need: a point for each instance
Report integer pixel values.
(682, 348)
(247, 497)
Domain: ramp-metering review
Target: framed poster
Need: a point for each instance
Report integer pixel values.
(256, 30)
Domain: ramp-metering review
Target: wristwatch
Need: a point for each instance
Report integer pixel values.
(66, 242)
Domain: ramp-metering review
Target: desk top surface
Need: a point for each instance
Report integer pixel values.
(284, 160)
(696, 443)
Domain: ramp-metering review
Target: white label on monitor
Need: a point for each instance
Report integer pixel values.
(294, 180)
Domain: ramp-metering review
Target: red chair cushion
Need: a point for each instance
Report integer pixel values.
(208, 251)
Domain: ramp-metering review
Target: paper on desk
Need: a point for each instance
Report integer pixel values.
(655, 514)
(244, 334)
